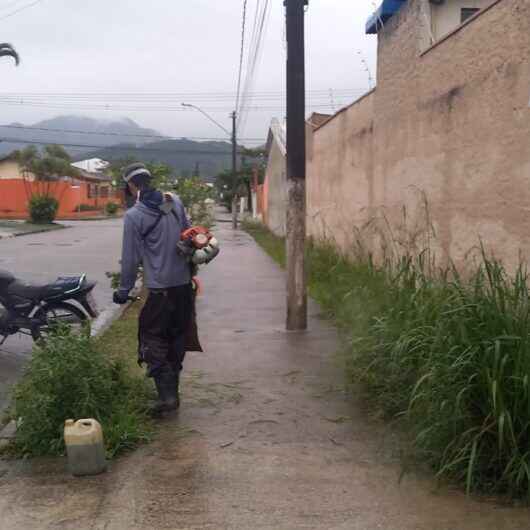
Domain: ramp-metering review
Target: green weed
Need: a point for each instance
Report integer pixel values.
(449, 356)
(73, 376)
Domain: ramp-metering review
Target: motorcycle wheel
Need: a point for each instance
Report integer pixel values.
(56, 314)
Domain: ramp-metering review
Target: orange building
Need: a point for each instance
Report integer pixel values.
(80, 197)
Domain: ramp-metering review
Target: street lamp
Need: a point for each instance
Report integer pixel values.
(233, 137)
(190, 106)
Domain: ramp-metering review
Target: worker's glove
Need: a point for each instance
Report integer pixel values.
(120, 297)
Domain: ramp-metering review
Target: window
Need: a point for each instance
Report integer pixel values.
(468, 12)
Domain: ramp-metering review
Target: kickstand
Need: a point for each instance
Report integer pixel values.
(3, 339)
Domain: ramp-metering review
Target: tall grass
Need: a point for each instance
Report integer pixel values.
(449, 356)
(72, 376)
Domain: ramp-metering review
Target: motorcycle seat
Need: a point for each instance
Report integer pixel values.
(30, 291)
(59, 287)
(6, 277)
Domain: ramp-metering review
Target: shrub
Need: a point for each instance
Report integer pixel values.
(70, 376)
(43, 209)
(111, 208)
(88, 208)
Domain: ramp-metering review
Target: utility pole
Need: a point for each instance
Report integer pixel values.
(234, 171)
(296, 167)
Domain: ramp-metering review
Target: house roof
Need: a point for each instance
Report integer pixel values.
(318, 118)
(92, 165)
(385, 12)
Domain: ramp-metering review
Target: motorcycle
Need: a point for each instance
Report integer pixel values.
(35, 309)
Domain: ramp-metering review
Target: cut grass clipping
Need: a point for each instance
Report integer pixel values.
(74, 376)
(450, 357)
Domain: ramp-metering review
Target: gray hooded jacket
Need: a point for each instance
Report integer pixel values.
(163, 266)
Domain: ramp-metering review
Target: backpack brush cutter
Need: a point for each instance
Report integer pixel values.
(199, 245)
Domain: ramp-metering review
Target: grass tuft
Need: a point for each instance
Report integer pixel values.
(74, 376)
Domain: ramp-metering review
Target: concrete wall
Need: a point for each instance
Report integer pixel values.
(276, 190)
(449, 160)
(340, 172)
(15, 195)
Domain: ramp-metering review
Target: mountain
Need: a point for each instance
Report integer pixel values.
(182, 155)
(61, 130)
(118, 140)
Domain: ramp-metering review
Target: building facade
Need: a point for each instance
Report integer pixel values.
(83, 196)
(439, 154)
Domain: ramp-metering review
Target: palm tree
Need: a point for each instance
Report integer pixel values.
(6, 50)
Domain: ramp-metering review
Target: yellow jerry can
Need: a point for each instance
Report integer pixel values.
(84, 447)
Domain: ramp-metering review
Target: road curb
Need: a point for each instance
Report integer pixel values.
(32, 232)
(44, 230)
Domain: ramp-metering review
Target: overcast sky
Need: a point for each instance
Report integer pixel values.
(174, 46)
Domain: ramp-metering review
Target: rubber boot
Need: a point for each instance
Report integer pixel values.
(167, 394)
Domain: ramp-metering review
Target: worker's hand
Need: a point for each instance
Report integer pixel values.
(120, 297)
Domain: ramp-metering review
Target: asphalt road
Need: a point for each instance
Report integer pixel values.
(92, 247)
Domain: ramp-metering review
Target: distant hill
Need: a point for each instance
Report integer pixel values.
(117, 140)
(59, 130)
(183, 155)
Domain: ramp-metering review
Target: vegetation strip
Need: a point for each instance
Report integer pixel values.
(449, 357)
(80, 377)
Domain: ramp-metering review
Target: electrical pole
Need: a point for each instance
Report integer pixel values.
(234, 171)
(296, 167)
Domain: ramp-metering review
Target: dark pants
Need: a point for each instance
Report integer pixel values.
(164, 323)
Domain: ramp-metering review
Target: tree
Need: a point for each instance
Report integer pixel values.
(241, 185)
(47, 169)
(6, 50)
(48, 166)
(163, 176)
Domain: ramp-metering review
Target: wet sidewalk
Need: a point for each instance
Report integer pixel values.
(266, 438)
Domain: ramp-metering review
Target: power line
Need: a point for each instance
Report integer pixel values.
(256, 57)
(23, 8)
(174, 96)
(238, 92)
(128, 135)
(121, 147)
(112, 107)
(9, 5)
(251, 54)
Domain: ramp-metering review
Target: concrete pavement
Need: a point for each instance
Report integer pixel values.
(87, 246)
(265, 439)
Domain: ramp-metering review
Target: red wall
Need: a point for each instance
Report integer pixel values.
(15, 195)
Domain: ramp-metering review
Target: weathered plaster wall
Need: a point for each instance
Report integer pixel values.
(451, 129)
(276, 194)
(340, 172)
